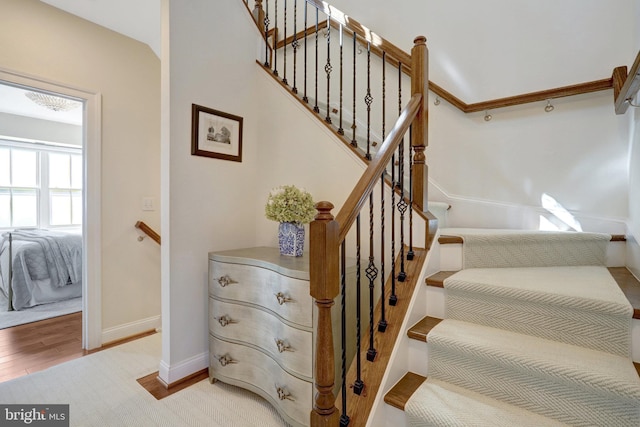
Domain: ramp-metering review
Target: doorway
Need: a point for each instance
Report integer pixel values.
(89, 223)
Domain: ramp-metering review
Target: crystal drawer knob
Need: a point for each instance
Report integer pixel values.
(225, 280)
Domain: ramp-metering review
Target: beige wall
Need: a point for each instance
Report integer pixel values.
(41, 41)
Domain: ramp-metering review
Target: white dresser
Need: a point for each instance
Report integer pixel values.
(261, 327)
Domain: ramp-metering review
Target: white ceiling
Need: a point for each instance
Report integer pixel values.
(14, 101)
(138, 19)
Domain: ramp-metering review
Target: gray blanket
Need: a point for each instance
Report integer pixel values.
(62, 253)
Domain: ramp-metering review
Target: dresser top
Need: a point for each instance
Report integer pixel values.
(266, 257)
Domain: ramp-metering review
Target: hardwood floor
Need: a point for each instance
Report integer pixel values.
(32, 347)
(39, 345)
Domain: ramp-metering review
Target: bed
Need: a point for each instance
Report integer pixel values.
(40, 266)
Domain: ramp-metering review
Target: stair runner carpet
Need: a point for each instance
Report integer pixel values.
(533, 345)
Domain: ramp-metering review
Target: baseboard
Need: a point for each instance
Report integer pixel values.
(129, 329)
(173, 374)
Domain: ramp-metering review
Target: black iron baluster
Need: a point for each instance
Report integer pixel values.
(372, 274)
(295, 44)
(275, 39)
(305, 98)
(354, 142)
(340, 129)
(393, 299)
(284, 46)
(382, 324)
(344, 418)
(328, 68)
(315, 107)
(368, 99)
(402, 206)
(358, 385)
(266, 34)
(410, 252)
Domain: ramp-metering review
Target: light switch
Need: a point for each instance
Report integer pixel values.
(148, 204)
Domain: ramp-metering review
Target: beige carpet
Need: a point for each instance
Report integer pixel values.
(102, 390)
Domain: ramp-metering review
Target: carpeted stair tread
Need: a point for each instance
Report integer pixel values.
(437, 403)
(580, 305)
(529, 248)
(585, 287)
(585, 368)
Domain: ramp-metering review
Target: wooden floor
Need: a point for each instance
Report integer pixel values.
(36, 346)
(39, 345)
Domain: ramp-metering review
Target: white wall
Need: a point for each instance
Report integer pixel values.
(495, 173)
(41, 41)
(633, 247)
(208, 204)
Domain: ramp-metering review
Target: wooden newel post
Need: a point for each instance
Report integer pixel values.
(258, 14)
(324, 287)
(419, 140)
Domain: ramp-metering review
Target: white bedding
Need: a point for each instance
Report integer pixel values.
(47, 266)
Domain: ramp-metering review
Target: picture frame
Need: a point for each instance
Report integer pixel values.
(215, 134)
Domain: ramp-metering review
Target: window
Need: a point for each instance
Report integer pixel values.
(40, 185)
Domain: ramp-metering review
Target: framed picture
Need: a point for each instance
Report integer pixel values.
(215, 134)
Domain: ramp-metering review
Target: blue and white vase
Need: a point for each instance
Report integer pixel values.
(291, 238)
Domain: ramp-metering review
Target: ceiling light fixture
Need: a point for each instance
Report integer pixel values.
(54, 103)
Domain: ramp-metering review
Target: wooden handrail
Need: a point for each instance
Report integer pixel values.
(370, 177)
(148, 231)
(363, 32)
(327, 235)
(629, 88)
(393, 54)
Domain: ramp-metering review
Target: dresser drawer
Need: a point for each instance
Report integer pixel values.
(289, 346)
(251, 369)
(284, 296)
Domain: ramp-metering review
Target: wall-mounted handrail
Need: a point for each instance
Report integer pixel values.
(631, 84)
(148, 231)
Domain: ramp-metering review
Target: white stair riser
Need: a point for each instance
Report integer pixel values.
(394, 417)
(451, 256)
(418, 357)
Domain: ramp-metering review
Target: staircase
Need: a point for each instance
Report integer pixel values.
(535, 333)
(549, 358)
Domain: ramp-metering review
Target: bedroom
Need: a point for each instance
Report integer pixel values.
(40, 205)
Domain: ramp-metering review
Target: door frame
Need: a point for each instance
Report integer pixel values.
(91, 197)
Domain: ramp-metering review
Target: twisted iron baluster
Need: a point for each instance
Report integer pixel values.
(358, 385)
(284, 46)
(315, 107)
(372, 274)
(295, 44)
(275, 38)
(354, 142)
(410, 252)
(402, 205)
(328, 68)
(305, 98)
(368, 99)
(340, 129)
(382, 324)
(266, 34)
(344, 418)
